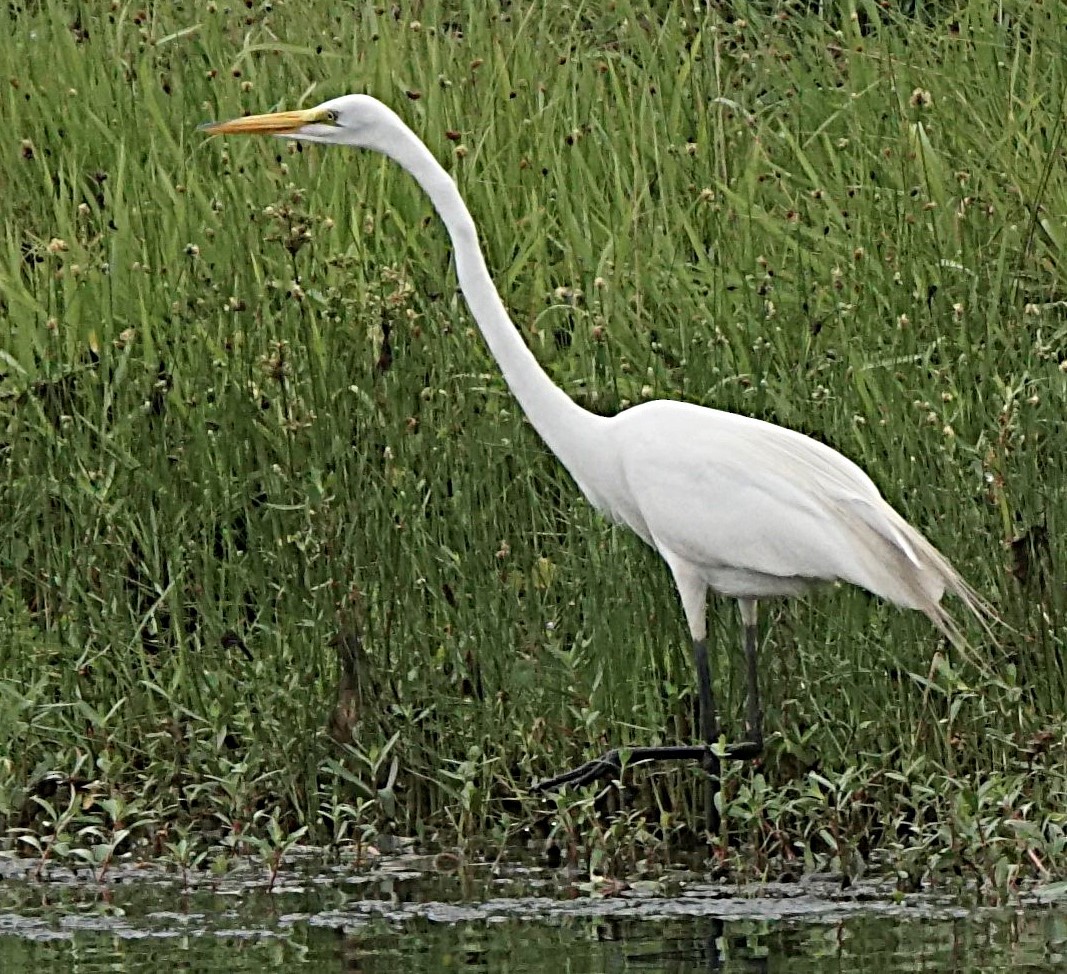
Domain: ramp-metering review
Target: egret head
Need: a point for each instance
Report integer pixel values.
(355, 120)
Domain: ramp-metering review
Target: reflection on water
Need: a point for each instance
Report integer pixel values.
(734, 947)
(1033, 942)
(405, 917)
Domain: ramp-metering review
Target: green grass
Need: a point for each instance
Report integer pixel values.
(245, 417)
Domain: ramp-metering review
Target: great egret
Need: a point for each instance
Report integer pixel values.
(744, 508)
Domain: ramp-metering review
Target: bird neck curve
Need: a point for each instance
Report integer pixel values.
(568, 430)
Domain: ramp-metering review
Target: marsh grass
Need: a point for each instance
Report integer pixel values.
(247, 420)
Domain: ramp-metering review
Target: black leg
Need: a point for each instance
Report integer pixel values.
(709, 731)
(753, 747)
(609, 764)
(754, 707)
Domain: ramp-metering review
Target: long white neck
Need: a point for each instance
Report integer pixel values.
(571, 432)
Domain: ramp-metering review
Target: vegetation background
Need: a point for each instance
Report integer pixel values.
(280, 557)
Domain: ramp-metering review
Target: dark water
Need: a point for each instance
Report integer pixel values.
(407, 917)
(1007, 942)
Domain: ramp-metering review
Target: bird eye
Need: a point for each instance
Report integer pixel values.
(330, 118)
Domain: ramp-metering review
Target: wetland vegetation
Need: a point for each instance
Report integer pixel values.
(281, 560)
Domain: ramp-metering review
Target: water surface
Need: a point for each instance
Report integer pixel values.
(406, 915)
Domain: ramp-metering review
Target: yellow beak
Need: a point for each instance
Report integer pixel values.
(273, 123)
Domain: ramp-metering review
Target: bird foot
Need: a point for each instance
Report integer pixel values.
(744, 751)
(609, 764)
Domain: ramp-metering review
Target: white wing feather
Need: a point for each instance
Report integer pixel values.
(757, 510)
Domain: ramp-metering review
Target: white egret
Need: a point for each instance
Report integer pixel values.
(734, 505)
